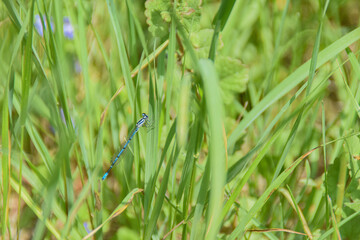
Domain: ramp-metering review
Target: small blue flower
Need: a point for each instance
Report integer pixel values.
(86, 226)
(68, 28)
(77, 66)
(52, 25)
(38, 25)
(62, 115)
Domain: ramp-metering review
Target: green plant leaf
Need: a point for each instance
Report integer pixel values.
(158, 14)
(233, 76)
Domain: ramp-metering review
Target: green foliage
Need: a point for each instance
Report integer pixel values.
(233, 77)
(159, 14)
(254, 108)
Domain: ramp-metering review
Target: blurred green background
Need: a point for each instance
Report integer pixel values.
(254, 108)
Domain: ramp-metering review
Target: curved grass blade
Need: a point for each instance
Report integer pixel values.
(292, 81)
(247, 175)
(120, 208)
(32, 205)
(124, 62)
(217, 157)
(345, 220)
(240, 229)
(160, 196)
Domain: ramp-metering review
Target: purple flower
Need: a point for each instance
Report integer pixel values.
(52, 24)
(86, 226)
(67, 27)
(38, 25)
(62, 115)
(77, 67)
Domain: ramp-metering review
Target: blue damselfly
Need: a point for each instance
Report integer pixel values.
(144, 121)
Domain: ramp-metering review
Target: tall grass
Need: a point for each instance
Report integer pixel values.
(254, 108)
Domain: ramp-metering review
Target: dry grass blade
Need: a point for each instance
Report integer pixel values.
(150, 59)
(103, 114)
(275, 230)
(333, 219)
(301, 215)
(178, 225)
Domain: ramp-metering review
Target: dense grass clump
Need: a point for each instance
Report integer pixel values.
(253, 107)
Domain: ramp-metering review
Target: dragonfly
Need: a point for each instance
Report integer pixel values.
(144, 121)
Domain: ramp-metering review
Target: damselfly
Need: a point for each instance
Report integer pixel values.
(144, 121)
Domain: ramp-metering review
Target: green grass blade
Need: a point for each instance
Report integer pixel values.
(219, 22)
(159, 198)
(291, 81)
(239, 186)
(75, 208)
(288, 144)
(352, 99)
(198, 223)
(240, 229)
(29, 201)
(151, 152)
(138, 27)
(189, 159)
(183, 110)
(124, 62)
(238, 166)
(345, 220)
(5, 162)
(27, 70)
(56, 140)
(323, 125)
(14, 15)
(118, 210)
(214, 109)
(50, 197)
(224, 12)
(312, 69)
(275, 57)
(170, 71)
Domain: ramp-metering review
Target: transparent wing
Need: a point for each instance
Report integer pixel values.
(126, 150)
(149, 124)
